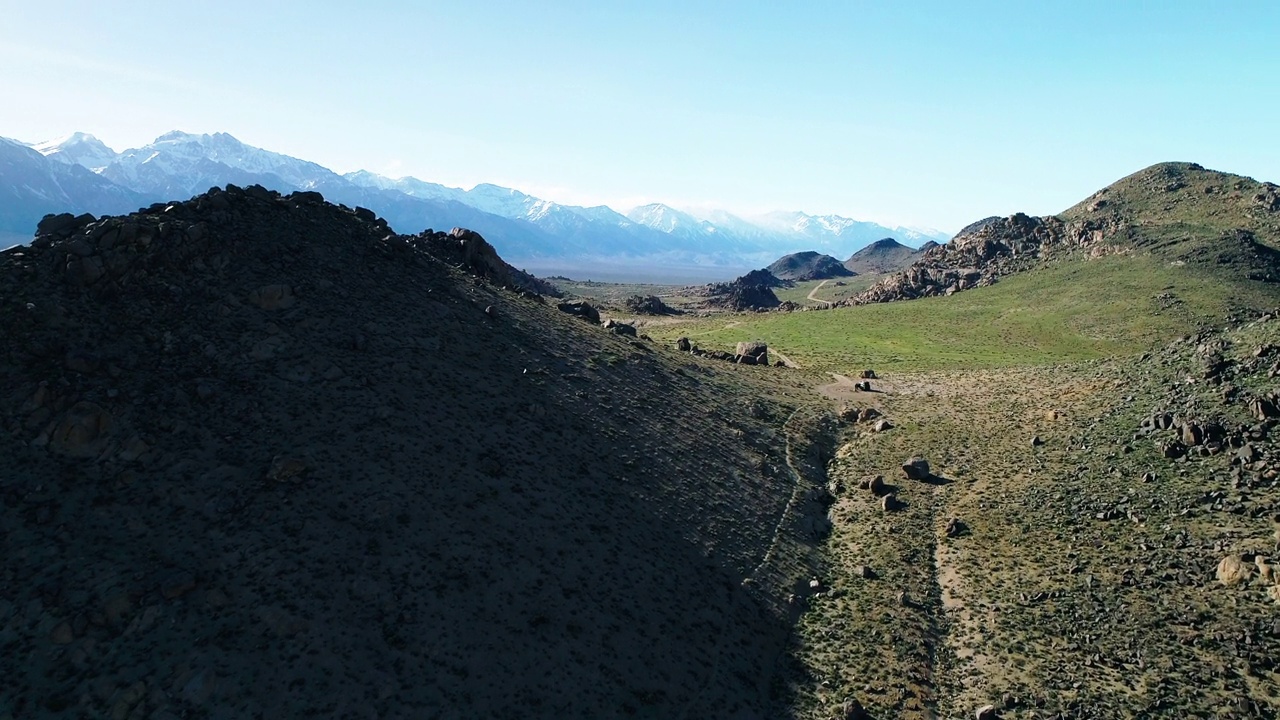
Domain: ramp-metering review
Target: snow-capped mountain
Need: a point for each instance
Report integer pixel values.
(80, 173)
(32, 185)
(180, 164)
(78, 149)
(410, 186)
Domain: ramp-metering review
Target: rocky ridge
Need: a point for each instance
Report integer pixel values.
(753, 291)
(265, 457)
(1180, 211)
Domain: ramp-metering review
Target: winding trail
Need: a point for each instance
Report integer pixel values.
(816, 289)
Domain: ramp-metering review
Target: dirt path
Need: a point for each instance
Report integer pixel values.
(816, 289)
(730, 324)
(789, 362)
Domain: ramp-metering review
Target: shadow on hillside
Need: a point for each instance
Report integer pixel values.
(470, 537)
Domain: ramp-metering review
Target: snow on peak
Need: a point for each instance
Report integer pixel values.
(78, 149)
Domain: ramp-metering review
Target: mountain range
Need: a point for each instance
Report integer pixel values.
(81, 174)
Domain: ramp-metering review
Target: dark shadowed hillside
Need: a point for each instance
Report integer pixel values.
(265, 458)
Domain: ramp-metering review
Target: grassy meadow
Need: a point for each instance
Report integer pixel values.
(1066, 312)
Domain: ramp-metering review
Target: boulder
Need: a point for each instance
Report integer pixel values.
(56, 224)
(1233, 570)
(851, 709)
(683, 344)
(581, 309)
(882, 425)
(874, 483)
(757, 350)
(620, 328)
(273, 297)
(955, 528)
(986, 712)
(648, 305)
(916, 468)
(1263, 408)
(868, 375)
(82, 432)
(890, 503)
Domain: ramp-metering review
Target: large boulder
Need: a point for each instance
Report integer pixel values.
(648, 305)
(619, 328)
(916, 468)
(1233, 570)
(756, 350)
(582, 309)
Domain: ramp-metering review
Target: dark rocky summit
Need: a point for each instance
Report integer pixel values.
(808, 265)
(883, 256)
(753, 291)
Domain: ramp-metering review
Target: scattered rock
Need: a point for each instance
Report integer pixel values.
(620, 328)
(1036, 441)
(83, 431)
(648, 305)
(583, 310)
(287, 468)
(273, 297)
(1232, 570)
(916, 468)
(868, 375)
(986, 712)
(851, 709)
(683, 344)
(874, 483)
(890, 503)
(955, 528)
(864, 572)
(883, 425)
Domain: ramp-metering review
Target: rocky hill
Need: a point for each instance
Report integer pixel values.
(808, 265)
(753, 291)
(1176, 212)
(266, 458)
(884, 256)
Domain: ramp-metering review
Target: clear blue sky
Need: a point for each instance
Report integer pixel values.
(924, 113)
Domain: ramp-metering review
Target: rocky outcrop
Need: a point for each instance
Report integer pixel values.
(884, 256)
(648, 305)
(754, 352)
(473, 252)
(753, 291)
(808, 265)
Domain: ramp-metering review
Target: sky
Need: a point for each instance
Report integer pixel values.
(929, 114)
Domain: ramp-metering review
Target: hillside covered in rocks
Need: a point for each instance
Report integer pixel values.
(266, 458)
(1177, 212)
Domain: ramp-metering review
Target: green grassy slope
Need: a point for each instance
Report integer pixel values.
(1066, 311)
